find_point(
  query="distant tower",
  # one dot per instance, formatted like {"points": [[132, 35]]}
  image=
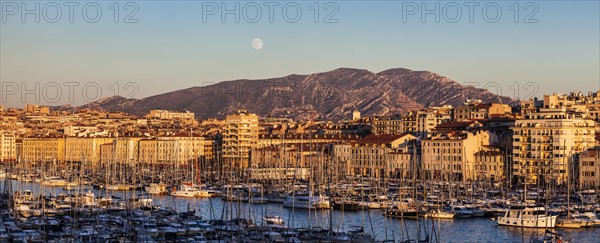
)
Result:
{"points": [[356, 115]]}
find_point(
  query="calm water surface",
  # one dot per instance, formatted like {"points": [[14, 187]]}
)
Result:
{"points": [[454, 230]]}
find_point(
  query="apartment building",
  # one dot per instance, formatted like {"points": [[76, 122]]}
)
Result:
{"points": [[175, 149], [490, 164], [288, 161], [121, 150], [37, 109], [409, 122], [240, 136], [392, 125], [8, 147], [43, 149], [452, 156], [427, 120], [169, 115], [377, 156], [476, 109], [85, 149], [546, 142], [589, 170]]}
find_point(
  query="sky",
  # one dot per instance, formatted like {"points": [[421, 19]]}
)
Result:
{"points": [[56, 53]]}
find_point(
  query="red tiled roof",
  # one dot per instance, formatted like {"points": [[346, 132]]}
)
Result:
{"points": [[482, 106], [590, 153]]}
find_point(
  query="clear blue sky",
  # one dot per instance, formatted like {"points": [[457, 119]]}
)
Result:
{"points": [[176, 45]]}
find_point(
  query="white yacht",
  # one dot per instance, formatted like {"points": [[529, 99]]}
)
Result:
{"points": [[306, 202], [531, 217], [189, 190]]}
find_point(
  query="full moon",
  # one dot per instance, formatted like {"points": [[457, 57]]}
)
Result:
{"points": [[257, 44]]}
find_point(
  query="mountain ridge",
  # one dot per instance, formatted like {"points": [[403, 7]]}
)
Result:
{"points": [[329, 95]]}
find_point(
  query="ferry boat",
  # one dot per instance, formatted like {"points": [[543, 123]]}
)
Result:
{"points": [[531, 217]]}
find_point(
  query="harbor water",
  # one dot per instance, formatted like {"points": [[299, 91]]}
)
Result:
{"points": [[372, 220]]}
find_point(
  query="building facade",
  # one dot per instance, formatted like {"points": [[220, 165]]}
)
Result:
{"points": [[85, 149], [378, 156], [589, 170], [43, 149], [546, 142], [240, 136], [452, 156], [8, 147]]}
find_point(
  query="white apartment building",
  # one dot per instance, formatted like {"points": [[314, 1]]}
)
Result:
{"points": [[546, 144], [240, 136]]}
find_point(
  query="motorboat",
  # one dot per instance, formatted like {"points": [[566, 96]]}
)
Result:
{"points": [[531, 217], [461, 211], [306, 202], [439, 214]]}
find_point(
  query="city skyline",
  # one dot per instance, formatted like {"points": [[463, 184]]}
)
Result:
{"points": [[234, 121]]}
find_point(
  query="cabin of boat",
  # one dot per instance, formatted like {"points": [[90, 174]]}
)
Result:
{"points": [[306, 202], [531, 217], [461, 211]]}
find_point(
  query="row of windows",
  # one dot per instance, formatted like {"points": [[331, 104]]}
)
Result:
{"points": [[443, 144], [485, 167], [588, 173], [445, 150], [445, 167], [587, 163]]}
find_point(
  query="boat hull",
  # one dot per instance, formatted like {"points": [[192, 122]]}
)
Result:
{"points": [[541, 222]]}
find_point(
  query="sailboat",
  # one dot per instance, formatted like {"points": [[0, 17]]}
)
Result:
{"points": [[570, 221]]}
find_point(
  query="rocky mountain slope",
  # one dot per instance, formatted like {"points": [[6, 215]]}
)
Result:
{"points": [[328, 95]]}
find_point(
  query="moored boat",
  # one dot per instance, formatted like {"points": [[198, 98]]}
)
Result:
{"points": [[530, 217], [157, 189], [439, 214]]}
